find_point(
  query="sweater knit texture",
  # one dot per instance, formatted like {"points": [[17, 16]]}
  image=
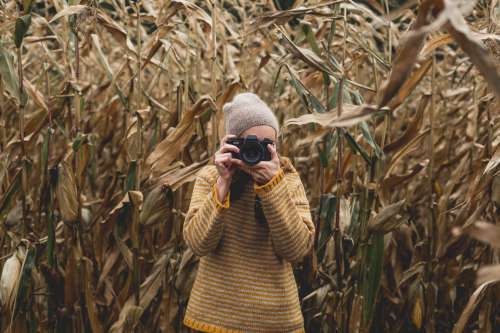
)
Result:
{"points": [[245, 280]]}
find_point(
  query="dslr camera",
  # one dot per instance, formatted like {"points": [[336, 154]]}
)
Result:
{"points": [[252, 150]]}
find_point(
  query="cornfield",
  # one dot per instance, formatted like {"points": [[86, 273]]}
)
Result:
{"points": [[391, 114]]}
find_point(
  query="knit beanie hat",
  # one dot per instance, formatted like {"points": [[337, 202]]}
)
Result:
{"points": [[247, 110]]}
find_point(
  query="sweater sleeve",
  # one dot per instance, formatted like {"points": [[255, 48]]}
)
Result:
{"points": [[203, 226], [286, 208]]}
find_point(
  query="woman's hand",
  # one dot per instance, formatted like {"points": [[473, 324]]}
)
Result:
{"points": [[264, 171], [226, 166], [225, 163]]}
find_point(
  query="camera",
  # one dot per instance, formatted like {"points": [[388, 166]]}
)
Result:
{"points": [[252, 150]]}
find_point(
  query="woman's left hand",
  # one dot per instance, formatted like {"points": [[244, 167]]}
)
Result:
{"points": [[264, 171]]}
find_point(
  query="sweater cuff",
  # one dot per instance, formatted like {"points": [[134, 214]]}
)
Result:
{"points": [[218, 204], [277, 178]]}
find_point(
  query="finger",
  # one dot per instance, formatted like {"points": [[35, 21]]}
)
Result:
{"points": [[228, 160], [246, 169], [223, 160], [254, 168], [225, 155], [274, 153], [237, 162], [227, 147], [262, 165], [259, 173], [259, 178], [226, 137]]}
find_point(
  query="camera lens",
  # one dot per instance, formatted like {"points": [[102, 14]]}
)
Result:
{"points": [[251, 153]]}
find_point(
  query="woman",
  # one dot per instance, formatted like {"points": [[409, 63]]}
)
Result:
{"points": [[248, 225]]}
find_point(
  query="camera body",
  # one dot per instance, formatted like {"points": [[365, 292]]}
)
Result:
{"points": [[252, 150]]}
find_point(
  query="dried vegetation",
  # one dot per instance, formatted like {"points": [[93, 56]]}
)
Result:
{"points": [[391, 114]]}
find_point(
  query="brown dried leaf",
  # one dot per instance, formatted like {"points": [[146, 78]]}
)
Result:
{"points": [[308, 56], [148, 290], [71, 277], [177, 178], [390, 182], [109, 262], [409, 85], [479, 55], [90, 300], [488, 274], [389, 218], [493, 163], [471, 306], [351, 115], [355, 318], [156, 206], [406, 57], [70, 10], [435, 43], [413, 128], [485, 232], [404, 151], [66, 193], [168, 150], [226, 96], [283, 16], [495, 190], [36, 95], [193, 9], [112, 26]]}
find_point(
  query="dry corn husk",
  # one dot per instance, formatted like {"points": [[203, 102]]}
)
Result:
{"points": [[10, 278]]}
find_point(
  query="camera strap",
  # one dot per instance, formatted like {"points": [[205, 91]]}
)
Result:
{"points": [[259, 212]]}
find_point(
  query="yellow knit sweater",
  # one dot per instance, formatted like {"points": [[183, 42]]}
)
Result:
{"points": [[245, 281]]}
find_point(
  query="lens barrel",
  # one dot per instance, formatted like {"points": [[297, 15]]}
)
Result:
{"points": [[251, 152]]}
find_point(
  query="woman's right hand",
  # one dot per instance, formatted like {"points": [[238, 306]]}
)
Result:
{"points": [[226, 165]]}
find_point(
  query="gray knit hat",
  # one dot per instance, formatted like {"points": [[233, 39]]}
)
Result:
{"points": [[247, 110]]}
